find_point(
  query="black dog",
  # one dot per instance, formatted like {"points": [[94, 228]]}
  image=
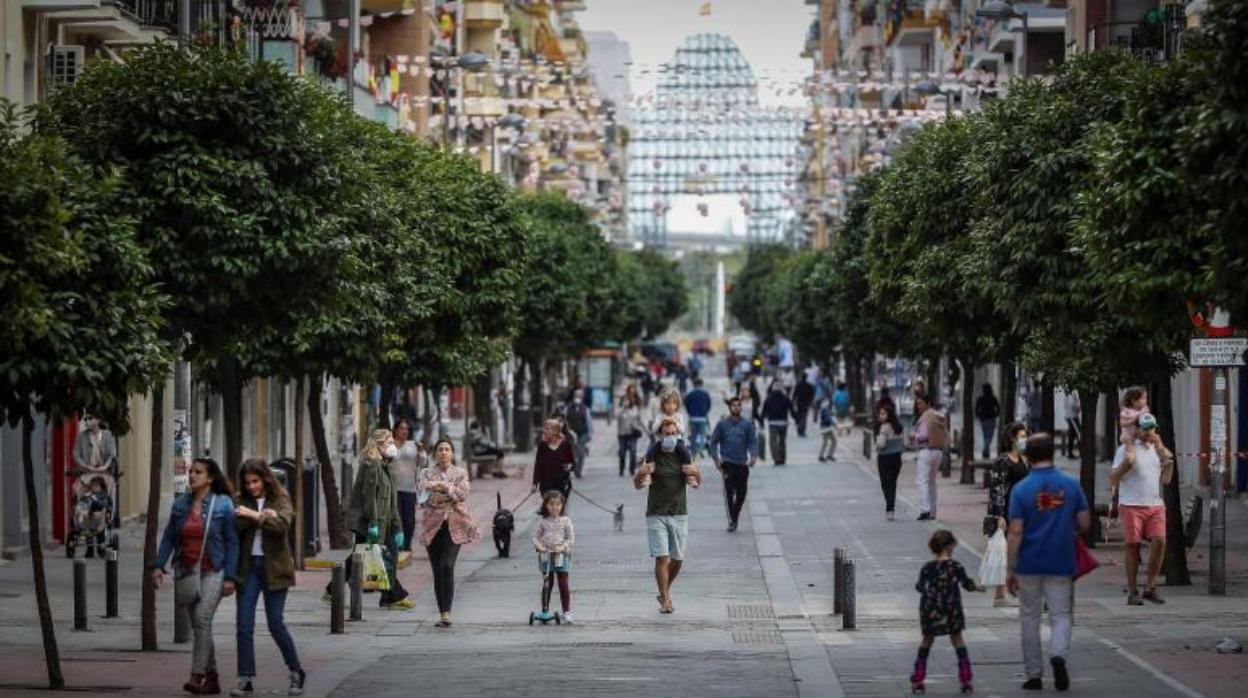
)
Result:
{"points": [[504, 524]]}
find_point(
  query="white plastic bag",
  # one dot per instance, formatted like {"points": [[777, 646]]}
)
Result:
{"points": [[376, 578], [992, 570]]}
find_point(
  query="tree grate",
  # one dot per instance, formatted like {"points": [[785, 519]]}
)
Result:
{"points": [[750, 612], [757, 637]]}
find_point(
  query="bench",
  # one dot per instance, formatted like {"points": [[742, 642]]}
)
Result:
{"points": [[484, 462]]}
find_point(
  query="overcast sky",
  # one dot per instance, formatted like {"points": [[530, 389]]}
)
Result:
{"points": [[770, 33]]}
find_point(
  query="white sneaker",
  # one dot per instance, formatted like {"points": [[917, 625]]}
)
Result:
{"points": [[244, 687], [567, 618]]}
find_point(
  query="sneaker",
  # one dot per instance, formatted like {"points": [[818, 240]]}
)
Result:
{"points": [[297, 678], [244, 687], [405, 605], [889, 515], [732, 527], [1152, 595], [925, 516], [567, 617], [1035, 684], [1133, 599], [1061, 679], [1002, 602]]}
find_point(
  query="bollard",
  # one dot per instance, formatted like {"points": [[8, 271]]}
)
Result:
{"points": [[849, 618], [838, 560], [335, 606], [110, 585], [946, 462], [357, 586], [968, 472], [80, 594], [866, 444]]}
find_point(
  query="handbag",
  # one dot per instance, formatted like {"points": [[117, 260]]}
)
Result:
{"points": [[1084, 561], [375, 575], [990, 525], [186, 589], [993, 567]]}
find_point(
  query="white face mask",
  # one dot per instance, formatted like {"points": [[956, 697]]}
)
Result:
{"points": [[391, 452]]}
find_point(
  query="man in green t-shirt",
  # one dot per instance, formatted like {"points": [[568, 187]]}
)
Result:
{"points": [[667, 469]]}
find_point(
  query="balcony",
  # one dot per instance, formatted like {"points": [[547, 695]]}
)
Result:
{"points": [[812, 40]]}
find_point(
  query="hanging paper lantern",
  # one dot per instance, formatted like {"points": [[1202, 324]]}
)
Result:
{"points": [[658, 164], [745, 167], [704, 209], [702, 167]]}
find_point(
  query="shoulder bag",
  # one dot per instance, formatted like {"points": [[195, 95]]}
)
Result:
{"points": [[186, 589]]}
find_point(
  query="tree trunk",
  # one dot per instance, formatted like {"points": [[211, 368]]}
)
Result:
{"points": [[232, 408], [1047, 409], [296, 490], [968, 411], [147, 610], [52, 655], [522, 417], [933, 380], [1109, 443], [1009, 393], [335, 522], [1087, 463], [1175, 566]]}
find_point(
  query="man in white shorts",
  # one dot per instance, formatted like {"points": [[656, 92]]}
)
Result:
{"points": [[667, 470]]}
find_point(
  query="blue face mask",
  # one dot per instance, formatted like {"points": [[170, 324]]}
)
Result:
{"points": [[1021, 445], [669, 443]]}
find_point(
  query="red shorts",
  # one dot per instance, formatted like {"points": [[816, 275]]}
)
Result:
{"points": [[1142, 522]]}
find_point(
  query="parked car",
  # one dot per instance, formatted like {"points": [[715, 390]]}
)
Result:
{"points": [[667, 352], [703, 346]]}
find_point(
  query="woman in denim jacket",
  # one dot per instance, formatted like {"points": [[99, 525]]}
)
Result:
{"points": [[207, 507]]}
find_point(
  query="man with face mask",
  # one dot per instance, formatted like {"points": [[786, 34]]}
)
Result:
{"points": [[734, 448], [581, 421], [667, 470]]}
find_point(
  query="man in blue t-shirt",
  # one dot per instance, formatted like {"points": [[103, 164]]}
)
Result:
{"points": [[698, 405], [1047, 511]]}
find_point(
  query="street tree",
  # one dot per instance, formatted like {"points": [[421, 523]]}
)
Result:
{"points": [[666, 289], [920, 218], [79, 315], [231, 190], [1035, 160], [747, 300]]}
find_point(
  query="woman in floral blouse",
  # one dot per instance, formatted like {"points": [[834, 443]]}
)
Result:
{"points": [[445, 522]]}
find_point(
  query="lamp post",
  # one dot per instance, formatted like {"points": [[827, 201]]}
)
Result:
{"points": [[473, 62], [1001, 10]]}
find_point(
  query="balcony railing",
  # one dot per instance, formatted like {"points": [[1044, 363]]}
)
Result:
{"points": [[150, 13]]}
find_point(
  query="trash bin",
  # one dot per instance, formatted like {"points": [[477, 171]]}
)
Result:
{"points": [[283, 469]]}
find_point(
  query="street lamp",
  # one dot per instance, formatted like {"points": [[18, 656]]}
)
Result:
{"points": [[473, 62], [929, 88], [1001, 10]]}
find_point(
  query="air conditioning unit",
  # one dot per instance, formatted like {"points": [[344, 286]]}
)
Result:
{"points": [[67, 62]]}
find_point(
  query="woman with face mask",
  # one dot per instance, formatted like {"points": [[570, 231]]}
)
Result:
{"points": [[1010, 467], [374, 513]]}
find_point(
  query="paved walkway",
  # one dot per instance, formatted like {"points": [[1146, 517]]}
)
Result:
{"points": [[753, 609]]}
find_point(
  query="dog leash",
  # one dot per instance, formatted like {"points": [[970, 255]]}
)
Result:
{"points": [[578, 493], [522, 501]]}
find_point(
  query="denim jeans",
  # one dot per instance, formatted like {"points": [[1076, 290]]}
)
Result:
{"points": [[407, 515], [699, 435], [628, 453], [988, 427], [274, 606], [203, 651]]}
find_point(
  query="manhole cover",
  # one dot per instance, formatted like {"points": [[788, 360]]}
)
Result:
{"points": [[750, 612], [757, 637]]}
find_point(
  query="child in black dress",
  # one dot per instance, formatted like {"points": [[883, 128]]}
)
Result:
{"points": [[940, 608]]}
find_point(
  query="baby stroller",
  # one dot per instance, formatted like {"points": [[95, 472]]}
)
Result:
{"points": [[552, 564], [93, 517]]}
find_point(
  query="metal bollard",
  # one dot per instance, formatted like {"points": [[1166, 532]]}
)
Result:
{"points": [[838, 561], [849, 616], [866, 444], [335, 606], [357, 586], [110, 585], [80, 594]]}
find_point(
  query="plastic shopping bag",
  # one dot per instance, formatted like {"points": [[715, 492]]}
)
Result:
{"points": [[992, 570], [376, 578]]}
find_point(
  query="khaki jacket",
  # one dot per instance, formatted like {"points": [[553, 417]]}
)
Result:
{"points": [[279, 564], [374, 500]]}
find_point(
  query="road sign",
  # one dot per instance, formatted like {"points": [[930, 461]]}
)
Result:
{"points": [[1213, 352]]}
